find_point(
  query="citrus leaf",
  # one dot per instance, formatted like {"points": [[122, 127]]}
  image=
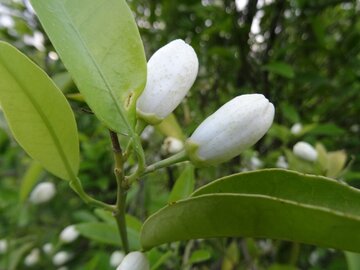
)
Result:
{"points": [[274, 203], [38, 114], [108, 66]]}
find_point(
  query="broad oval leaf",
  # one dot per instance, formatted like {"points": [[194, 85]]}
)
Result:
{"points": [[38, 114], [100, 45], [271, 203]]}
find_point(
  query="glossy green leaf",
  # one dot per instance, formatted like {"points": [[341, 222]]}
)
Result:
{"points": [[29, 180], [108, 66], [200, 255], [274, 203], [38, 114]]}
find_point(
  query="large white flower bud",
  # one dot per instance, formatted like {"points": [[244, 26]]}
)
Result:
{"points": [[42, 193], [69, 234], [237, 125], [171, 72], [305, 151], [134, 261]]}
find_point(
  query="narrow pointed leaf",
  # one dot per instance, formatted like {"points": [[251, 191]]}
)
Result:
{"points": [[100, 45], [275, 204], [38, 114]]}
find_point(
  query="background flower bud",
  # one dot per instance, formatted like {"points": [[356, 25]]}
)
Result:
{"points": [[282, 163], [69, 234], [32, 258], [134, 261], [61, 258], [172, 145], [296, 129], [235, 126], [47, 248], [305, 151], [172, 71], [116, 258], [42, 193], [3, 246]]}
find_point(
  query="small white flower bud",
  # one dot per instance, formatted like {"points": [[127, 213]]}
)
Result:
{"points": [[3, 246], [69, 234], [61, 258], [305, 151], [255, 163], [171, 72], [116, 258], [172, 145], [42, 193], [235, 126], [146, 134], [296, 129], [32, 258], [281, 163], [134, 261], [47, 248]]}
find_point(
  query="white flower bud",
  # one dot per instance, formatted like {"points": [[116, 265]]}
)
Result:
{"points": [[296, 129], [134, 261], [47, 248], [32, 258], [235, 126], [171, 72], [42, 193], [172, 145], [305, 151], [69, 234], [255, 163], [61, 258], [116, 258], [281, 163], [147, 133], [3, 246]]}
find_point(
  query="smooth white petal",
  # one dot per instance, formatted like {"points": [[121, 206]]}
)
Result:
{"points": [[305, 151], [172, 71], [134, 261]]}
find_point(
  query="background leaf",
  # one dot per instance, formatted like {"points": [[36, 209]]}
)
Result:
{"points": [[275, 203], [184, 185], [29, 180], [108, 66], [38, 114]]}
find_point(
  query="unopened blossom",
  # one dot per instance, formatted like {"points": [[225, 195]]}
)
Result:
{"points": [[255, 163], [296, 129], [42, 193], [69, 234], [305, 151], [172, 145], [234, 127], [171, 72], [61, 258], [134, 261], [47, 248], [3, 246], [32, 258], [116, 258], [282, 163]]}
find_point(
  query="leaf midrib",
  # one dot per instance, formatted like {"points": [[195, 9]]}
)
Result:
{"points": [[43, 117]]}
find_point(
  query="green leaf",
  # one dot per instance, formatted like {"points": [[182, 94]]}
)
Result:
{"points": [[272, 203], [280, 68], [100, 45], [353, 260], [38, 114], [29, 180], [107, 234], [200, 255], [184, 185]]}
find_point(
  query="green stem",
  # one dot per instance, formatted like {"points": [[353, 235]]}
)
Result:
{"points": [[76, 185], [122, 187], [179, 157]]}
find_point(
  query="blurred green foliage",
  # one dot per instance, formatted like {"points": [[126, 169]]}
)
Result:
{"points": [[303, 55]]}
